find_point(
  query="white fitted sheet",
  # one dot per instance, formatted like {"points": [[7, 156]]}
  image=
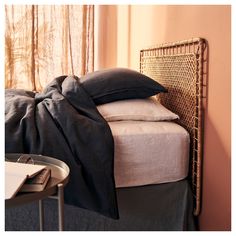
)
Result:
{"points": [[149, 152]]}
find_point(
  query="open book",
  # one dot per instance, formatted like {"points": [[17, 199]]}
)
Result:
{"points": [[16, 175]]}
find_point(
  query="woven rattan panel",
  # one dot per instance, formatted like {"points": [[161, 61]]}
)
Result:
{"points": [[181, 73], [173, 72]]}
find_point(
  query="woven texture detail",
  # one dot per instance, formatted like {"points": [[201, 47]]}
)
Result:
{"points": [[178, 67], [173, 73]]}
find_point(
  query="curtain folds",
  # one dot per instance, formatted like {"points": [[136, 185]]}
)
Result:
{"points": [[45, 41]]}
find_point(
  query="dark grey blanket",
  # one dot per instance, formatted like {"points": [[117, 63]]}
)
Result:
{"points": [[63, 122]]}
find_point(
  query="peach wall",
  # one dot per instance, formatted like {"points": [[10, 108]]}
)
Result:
{"points": [[145, 26], [105, 36]]}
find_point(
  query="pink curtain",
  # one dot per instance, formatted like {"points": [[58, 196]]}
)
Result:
{"points": [[45, 41]]}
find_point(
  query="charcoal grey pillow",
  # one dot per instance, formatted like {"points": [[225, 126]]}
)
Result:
{"points": [[118, 84]]}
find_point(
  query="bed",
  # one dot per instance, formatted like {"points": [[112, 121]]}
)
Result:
{"points": [[168, 200]]}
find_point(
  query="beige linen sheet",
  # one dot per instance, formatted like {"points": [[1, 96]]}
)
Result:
{"points": [[149, 152]]}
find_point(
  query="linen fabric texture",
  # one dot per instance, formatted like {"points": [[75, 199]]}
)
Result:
{"points": [[114, 84], [136, 109]]}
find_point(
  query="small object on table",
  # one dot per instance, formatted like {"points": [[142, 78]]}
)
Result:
{"points": [[38, 182]]}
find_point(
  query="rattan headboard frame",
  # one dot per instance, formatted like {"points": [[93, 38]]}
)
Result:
{"points": [[179, 67]]}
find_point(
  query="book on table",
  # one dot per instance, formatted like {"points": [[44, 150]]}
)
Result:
{"points": [[18, 177], [37, 182]]}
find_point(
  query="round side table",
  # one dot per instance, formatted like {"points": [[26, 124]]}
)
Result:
{"points": [[54, 188]]}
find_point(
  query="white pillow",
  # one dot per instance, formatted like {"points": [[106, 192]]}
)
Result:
{"points": [[136, 109]]}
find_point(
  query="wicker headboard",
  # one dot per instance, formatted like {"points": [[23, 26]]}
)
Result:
{"points": [[179, 67]]}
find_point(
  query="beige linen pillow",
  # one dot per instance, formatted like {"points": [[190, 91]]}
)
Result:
{"points": [[136, 109]]}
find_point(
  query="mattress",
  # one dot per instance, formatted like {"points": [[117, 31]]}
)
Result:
{"points": [[149, 152]]}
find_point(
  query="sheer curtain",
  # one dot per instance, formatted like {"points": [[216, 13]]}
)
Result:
{"points": [[45, 41]]}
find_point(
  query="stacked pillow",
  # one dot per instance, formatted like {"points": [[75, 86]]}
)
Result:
{"points": [[110, 85], [124, 94], [147, 109]]}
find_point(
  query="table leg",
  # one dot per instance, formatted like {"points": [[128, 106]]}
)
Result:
{"points": [[41, 215], [61, 207]]}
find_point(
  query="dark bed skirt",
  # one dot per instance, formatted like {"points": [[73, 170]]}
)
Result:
{"points": [[163, 207]]}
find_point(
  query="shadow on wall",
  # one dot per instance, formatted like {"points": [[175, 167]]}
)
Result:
{"points": [[216, 192], [184, 23]]}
